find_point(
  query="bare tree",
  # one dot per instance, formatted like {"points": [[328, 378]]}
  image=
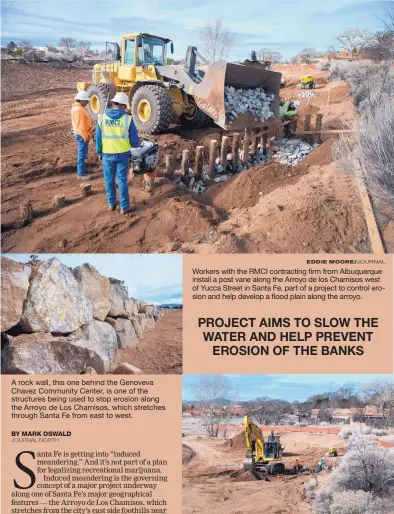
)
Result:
{"points": [[210, 392], [308, 54], [267, 410], [381, 394], [354, 40], [52, 49], [265, 54], [83, 48], [25, 45], [217, 41], [68, 44]]}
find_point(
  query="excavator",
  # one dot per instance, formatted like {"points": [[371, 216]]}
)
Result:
{"points": [[160, 92], [262, 456]]}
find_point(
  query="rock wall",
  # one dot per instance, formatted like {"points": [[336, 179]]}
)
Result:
{"points": [[57, 320]]}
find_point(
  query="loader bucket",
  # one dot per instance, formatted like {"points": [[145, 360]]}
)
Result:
{"points": [[209, 93]]}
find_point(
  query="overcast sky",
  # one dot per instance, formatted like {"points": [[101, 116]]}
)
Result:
{"points": [[154, 278], [284, 25], [285, 387]]}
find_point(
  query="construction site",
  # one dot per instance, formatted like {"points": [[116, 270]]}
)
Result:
{"points": [[213, 476], [238, 465], [228, 183]]}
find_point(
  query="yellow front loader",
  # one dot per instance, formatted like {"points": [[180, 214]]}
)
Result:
{"points": [[262, 456], [307, 82], [161, 93]]}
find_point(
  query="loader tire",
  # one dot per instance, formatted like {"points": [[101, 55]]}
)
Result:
{"points": [[98, 100], [197, 120], [151, 109]]}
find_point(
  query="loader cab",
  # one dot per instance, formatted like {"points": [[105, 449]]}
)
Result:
{"points": [[140, 53]]}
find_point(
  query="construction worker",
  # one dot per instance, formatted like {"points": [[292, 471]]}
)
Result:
{"points": [[116, 134], [82, 130], [287, 109], [295, 466], [320, 465]]}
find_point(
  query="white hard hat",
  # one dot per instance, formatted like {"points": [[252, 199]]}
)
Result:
{"points": [[121, 98], [82, 95]]}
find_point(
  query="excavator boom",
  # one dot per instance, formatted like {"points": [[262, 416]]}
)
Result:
{"points": [[260, 455]]}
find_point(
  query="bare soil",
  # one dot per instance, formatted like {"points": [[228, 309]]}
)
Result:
{"points": [[214, 479], [159, 350], [271, 208]]}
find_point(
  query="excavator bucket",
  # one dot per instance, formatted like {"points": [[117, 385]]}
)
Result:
{"points": [[209, 93]]}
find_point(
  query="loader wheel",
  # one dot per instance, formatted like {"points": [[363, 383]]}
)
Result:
{"points": [[197, 119], [151, 109], [312, 85], [98, 100]]}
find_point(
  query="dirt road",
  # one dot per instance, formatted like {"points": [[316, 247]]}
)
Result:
{"points": [[208, 483], [159, 351], [309, 208]]}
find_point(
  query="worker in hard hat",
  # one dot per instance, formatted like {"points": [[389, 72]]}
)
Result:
{"points": [[287, 109], [295, 466], [320, 465], [82, 130], [116, 134]]}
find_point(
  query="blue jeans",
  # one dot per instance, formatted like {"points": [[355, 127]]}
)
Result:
{"points": [[116, 165], [82, 155]]}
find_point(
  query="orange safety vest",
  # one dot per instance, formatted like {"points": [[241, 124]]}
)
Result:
{"points": [[80, 121]]}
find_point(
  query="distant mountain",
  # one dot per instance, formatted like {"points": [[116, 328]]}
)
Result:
{"points": [[171, 305], [218, 401]]}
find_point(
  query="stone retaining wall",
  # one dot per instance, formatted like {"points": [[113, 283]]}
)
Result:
{"points": [[60, 320]]}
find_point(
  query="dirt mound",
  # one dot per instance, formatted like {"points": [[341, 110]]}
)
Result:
{"points": [[321, 156], [253, 183], [313, 215], [187, 454], [237, 442]]}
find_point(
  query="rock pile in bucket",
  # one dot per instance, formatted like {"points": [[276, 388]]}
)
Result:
{"points": [[255, 101]]}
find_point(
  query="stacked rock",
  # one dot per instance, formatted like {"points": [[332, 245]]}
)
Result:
{"points": [[56, 320], [255, 101]]}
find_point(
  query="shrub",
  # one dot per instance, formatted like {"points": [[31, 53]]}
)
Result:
{"points": [[310, 489], [366, 466], [370, 151], [324, 65], [345, 433], [357, 502], [323, 502], [376, 149]]}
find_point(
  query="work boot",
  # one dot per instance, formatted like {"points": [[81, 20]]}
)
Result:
{"points": [[149, 185], [112, 207], [131, 209]]}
